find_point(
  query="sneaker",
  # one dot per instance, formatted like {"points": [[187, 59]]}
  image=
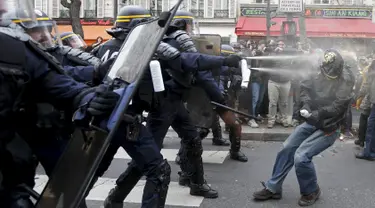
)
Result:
{"points": [[253, 124], [265, 194], [270, 125], [310, 199]]}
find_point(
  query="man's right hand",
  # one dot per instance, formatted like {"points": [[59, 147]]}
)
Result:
{"points": [[103, 102], [232, 61]]}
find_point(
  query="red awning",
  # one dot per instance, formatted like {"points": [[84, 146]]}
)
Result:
{"points": [[344, 28]]}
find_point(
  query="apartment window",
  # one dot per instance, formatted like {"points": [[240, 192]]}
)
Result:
{"points": [[348, 2], [90, 8], [221, 4], [321, 1]]}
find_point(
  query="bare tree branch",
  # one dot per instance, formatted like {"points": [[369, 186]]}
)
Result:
{"points": [[65, 3]]}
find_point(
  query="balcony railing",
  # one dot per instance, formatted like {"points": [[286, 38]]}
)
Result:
{"points": [[221, 13], [197, 13], [90, 14], [64, 14]]}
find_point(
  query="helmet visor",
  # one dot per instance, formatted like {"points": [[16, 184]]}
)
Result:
{"points": [[44, 34], [74, 41], [20, 11]]}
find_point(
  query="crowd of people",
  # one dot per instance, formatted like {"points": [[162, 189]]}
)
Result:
{"points": [[43, 83]]}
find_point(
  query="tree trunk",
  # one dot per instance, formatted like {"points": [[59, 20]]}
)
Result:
{"points": [[74, 11]]}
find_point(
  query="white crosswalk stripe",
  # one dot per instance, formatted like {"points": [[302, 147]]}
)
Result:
{"points": [[215, 157], [177, 195]]}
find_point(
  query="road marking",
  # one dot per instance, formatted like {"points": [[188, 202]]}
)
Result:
{"points": [[214, 157], [177, 195]]}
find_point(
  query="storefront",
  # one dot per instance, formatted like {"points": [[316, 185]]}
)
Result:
{"points": [[93, 28], [326, 27]]}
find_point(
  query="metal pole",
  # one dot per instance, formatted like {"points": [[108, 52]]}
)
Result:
{"points": [[289, 17], [115, 8], [302, 28], [268, 22]]}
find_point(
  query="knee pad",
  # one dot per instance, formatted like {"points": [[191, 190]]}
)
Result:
{"points": [[163, 173], [130, 175], [236, 125], [194, 147]]}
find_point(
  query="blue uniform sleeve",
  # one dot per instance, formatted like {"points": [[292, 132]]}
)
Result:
{"points": [[49, 84], [192, 62], [206, 81], [80, 73]]}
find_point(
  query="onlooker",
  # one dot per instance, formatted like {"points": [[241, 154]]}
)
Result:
{"points": [[278, 90], [256, 82]]}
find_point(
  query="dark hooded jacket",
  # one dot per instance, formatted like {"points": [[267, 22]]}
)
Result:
{"points": [[327, 100]]}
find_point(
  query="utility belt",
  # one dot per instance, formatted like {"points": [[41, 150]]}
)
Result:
{"points": [[133, 126]]}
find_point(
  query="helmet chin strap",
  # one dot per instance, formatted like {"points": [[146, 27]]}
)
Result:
{"points": [[327, 75]]}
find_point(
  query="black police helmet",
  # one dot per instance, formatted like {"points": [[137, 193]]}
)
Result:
{"points": [[130, 16], [182, 19], [227, 50]]}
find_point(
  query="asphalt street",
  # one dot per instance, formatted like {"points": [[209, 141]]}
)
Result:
{"points": [[346, 182]]}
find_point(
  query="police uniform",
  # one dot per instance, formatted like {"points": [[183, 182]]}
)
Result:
{"points": [[64, 89]]}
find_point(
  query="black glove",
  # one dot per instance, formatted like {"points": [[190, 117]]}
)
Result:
{"points": [[232, 61], [104, 101], [101, 70]]}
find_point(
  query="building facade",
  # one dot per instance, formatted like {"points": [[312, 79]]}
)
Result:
{"points": [[214, 16]]}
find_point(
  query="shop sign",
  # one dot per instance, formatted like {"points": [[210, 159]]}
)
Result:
{"points": [[99, 22], [364, 13], [290, 6], [340, 13], [248, 11]]}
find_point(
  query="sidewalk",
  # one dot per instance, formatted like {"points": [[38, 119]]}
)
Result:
{"points": [[277, 133]]}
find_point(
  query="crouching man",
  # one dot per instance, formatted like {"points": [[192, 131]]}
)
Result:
{"points": [[325, 98]]}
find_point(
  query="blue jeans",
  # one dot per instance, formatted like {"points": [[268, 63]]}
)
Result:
{"points": [[370, 137], [255, 88], [301, 146]]}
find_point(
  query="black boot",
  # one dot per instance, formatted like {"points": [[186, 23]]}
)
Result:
{"points": [[218, 139], [184, 179], [124, 184], [156, 187], [203, 190], [192, 172], [235, 152]]}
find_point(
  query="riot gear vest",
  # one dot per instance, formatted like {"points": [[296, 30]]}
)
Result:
{"points": [[181, 77], [109, 49], [12, 79], [75, 57]]}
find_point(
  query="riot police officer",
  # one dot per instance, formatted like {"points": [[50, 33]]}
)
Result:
{"points": [[28, 75], [205, 80], [127, 18], [66, 54], [163, 114], [73, 40], [47, 76]]}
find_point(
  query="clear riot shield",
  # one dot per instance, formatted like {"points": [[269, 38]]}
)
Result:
{"points": [[208, 44], [76, 168], [198, 103]]}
